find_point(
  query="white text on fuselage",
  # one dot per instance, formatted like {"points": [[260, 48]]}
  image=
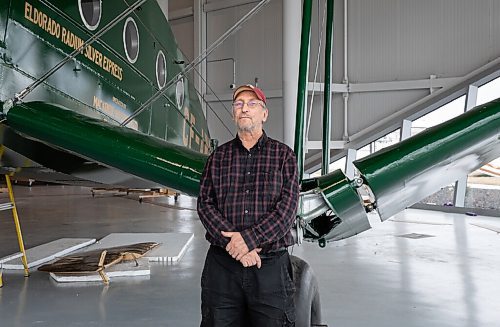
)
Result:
{"points": [[110, 110], [38, 17]]}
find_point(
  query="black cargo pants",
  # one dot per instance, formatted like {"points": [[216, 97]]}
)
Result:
{"points": [[233, 296]]}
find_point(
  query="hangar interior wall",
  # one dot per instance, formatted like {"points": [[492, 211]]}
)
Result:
{"points": [[398, 53]]}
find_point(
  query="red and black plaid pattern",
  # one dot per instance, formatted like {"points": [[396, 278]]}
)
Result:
{"points": [[252, 192]]}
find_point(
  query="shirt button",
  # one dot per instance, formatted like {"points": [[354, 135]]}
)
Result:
{"points": [[246, 211], [247, 191], [249, 155], [248, 173]]}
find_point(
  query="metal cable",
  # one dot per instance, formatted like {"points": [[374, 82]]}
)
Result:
{"points": [[198, 60], [309, 113], [211, 90], [19, 96]]}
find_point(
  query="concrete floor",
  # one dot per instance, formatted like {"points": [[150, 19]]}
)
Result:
{"points": [[377, 278]]}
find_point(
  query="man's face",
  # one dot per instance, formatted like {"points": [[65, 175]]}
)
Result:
{"points": [[251, 116]]}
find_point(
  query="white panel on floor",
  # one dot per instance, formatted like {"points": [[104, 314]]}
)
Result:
{"points": [[11, 257], [123, 269], [172, 245], [48, 251]]}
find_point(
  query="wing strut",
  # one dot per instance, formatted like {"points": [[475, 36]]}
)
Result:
{"points": [[302, 87]]}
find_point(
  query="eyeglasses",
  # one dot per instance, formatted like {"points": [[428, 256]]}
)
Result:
{"points": [[252, 104]]}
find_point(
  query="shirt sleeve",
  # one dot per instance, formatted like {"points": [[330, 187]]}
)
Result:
{"points": [[208, 209], [278, 223]]}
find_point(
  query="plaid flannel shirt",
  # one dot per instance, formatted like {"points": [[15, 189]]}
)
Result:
{"points": [[254, 192]]}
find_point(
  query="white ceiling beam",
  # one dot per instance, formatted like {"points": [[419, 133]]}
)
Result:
{"points": [[213, 6], [320, 87], [431, 83], [316, 145], [430, 102], [403, 85], [360, 87]]}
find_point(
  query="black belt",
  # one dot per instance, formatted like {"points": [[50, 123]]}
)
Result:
{"points": [[269, 254], [273, 253]]}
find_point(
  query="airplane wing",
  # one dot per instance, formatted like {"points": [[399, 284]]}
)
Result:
{"points": [[132, 152], [405, 173], [400, 175]]}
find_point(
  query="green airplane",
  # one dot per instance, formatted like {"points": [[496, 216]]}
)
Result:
{"points": [[96, 93], [121, 112], [105, 82]]}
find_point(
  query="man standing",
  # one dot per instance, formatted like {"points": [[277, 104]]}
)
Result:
{"points": [[248, 202]]}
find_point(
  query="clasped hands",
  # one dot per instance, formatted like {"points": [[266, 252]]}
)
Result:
{"points": [[238, 249]]}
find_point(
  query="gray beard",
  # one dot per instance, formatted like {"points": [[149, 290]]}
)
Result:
{"points": [[246, 128]]}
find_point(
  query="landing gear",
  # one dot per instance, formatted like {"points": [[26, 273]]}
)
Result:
{"points": [[307, 300]]}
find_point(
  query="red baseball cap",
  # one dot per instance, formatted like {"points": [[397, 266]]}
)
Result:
{"points": [[249, 87]]}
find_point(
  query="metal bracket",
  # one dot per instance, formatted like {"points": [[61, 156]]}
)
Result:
{"points": [[7, 105], [299, 230]]}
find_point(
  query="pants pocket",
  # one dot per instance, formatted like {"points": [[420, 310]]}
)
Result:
{"points": [[289, 319]]}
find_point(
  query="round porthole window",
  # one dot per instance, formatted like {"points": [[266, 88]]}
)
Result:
{"points": [[179, 93], [90, 12], [131, 40], [161, 69]]}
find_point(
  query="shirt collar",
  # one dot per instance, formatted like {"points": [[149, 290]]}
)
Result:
{"points": [[260, 143]]}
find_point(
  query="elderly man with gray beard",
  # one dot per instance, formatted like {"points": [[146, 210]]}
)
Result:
{"points": [[247, 204]]}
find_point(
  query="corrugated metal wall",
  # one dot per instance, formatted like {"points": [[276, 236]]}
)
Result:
{"points": [[388, 40], [392, 40]]}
